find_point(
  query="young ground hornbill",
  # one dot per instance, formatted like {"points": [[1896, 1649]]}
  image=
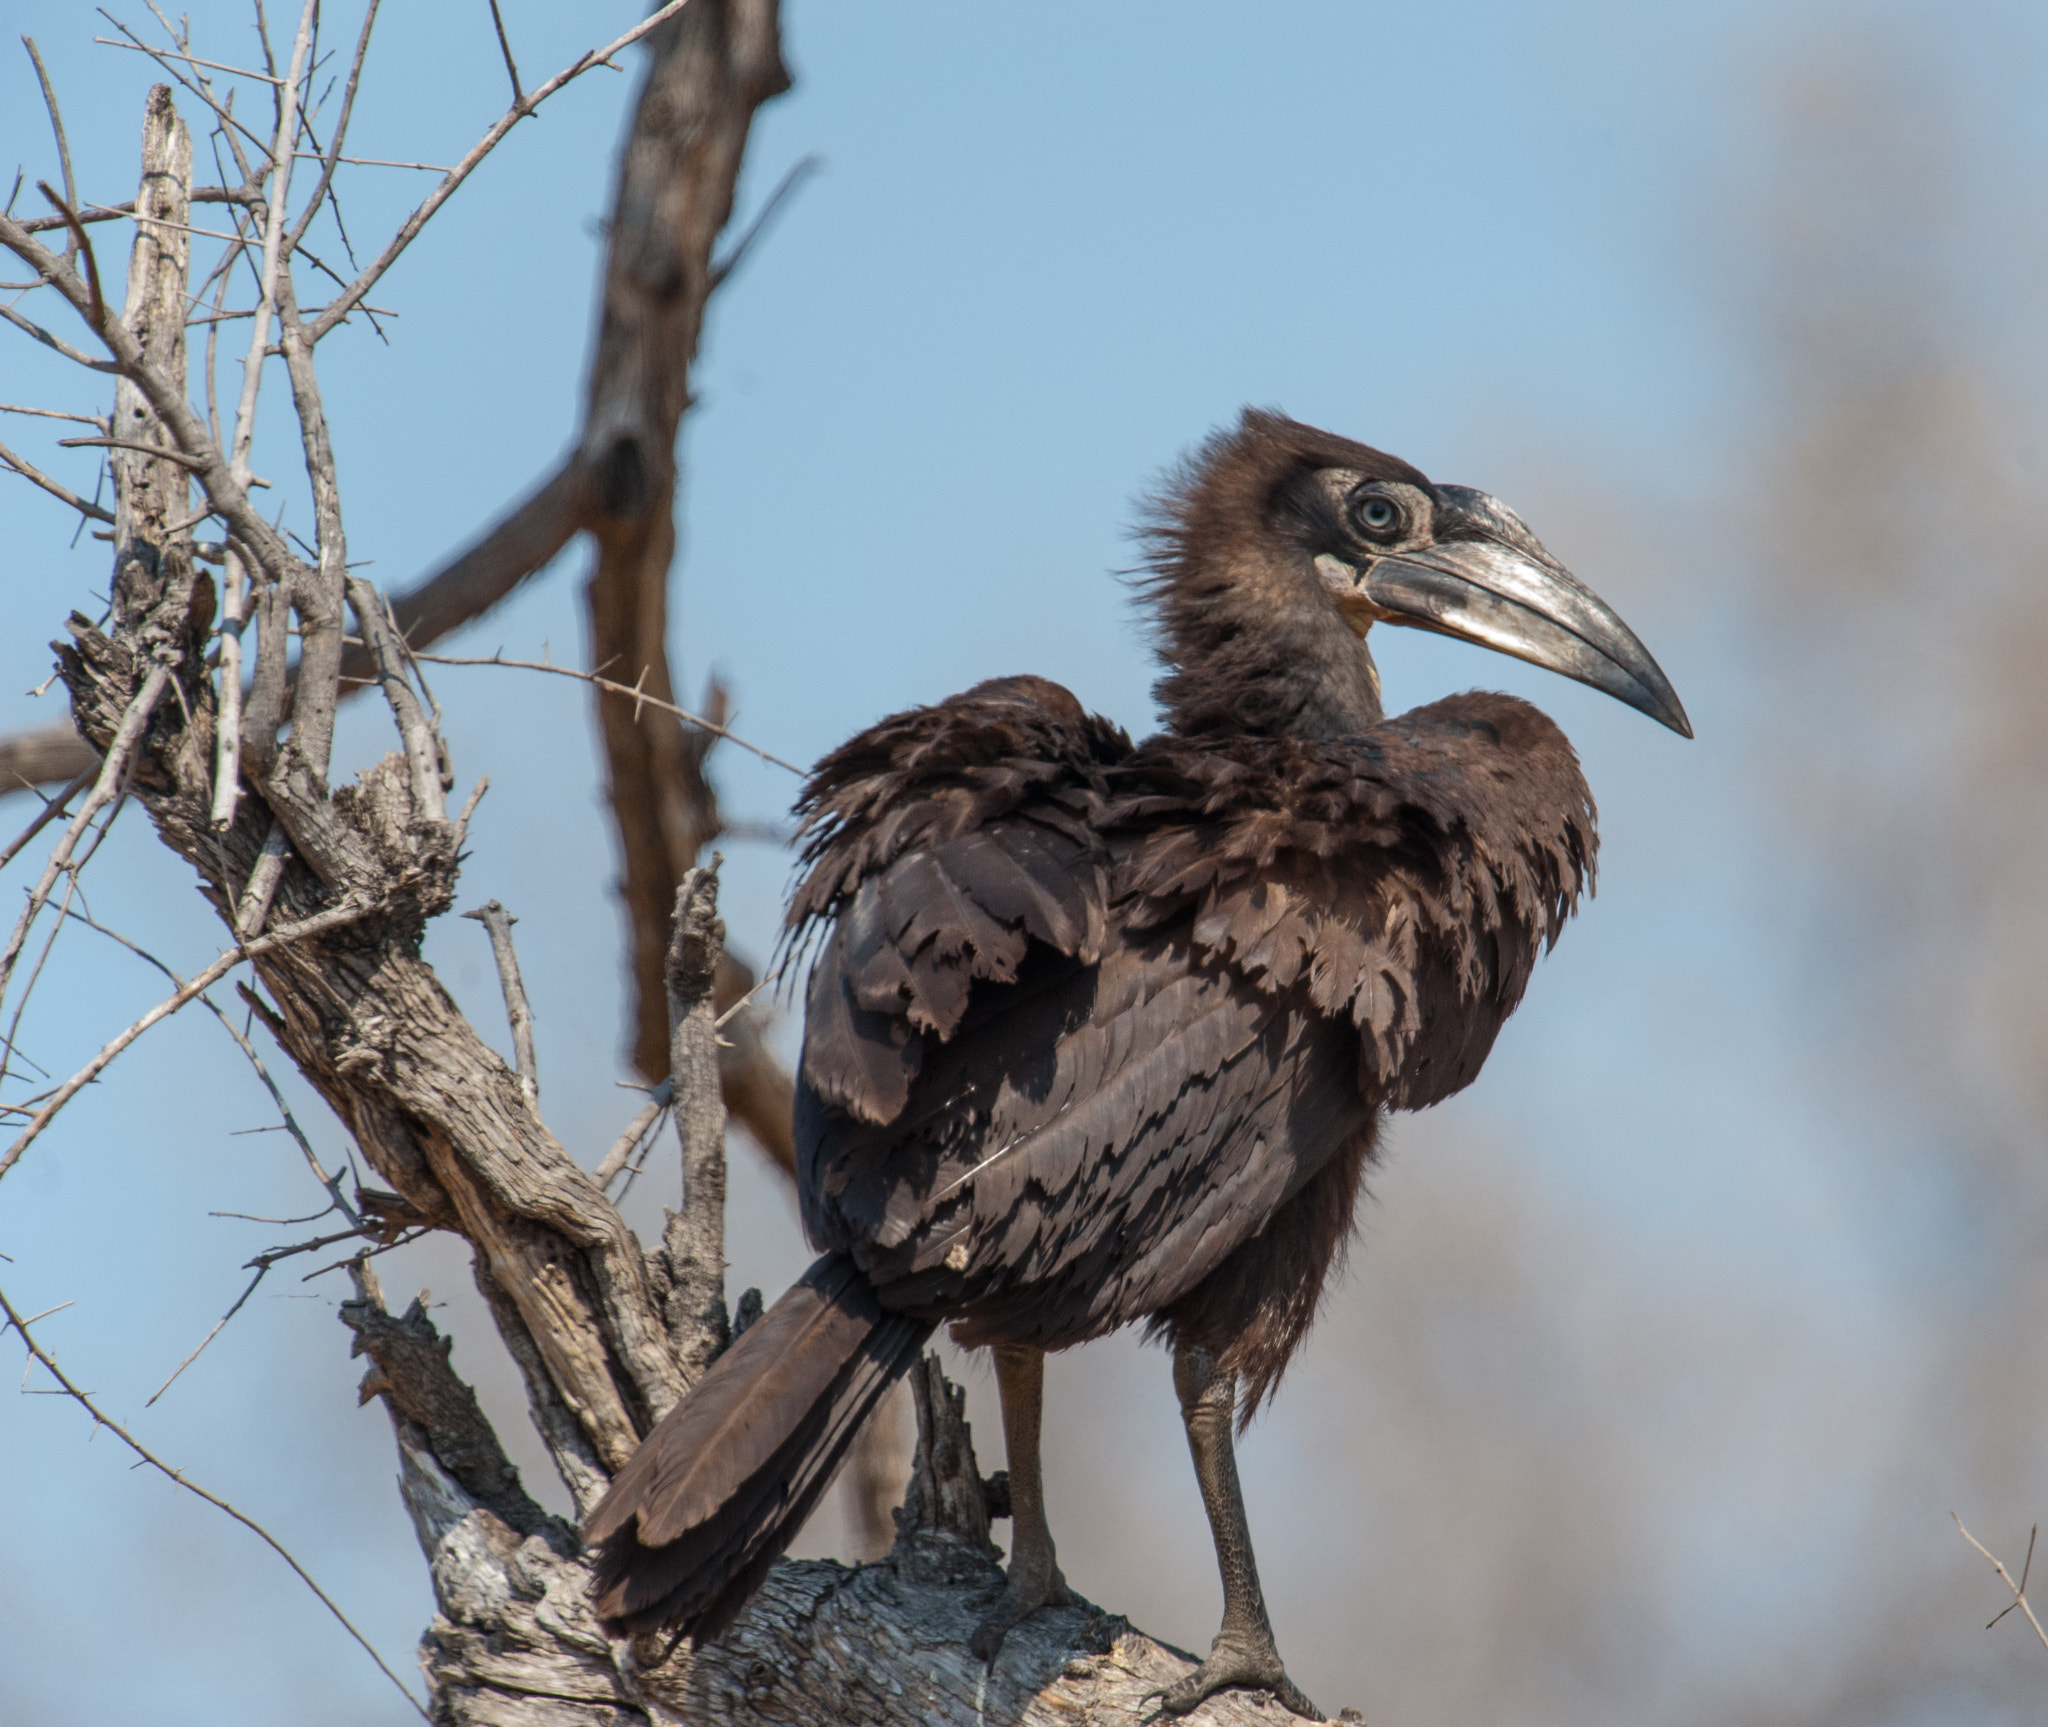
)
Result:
{"points": [[1100, 1033]]}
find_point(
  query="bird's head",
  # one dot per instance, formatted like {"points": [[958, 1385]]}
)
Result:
{"points": [[1277, 547]]}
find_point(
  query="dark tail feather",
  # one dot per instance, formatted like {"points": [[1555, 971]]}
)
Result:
{"points": [[724, 1482]]}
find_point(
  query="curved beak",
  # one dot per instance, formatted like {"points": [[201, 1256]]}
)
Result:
{"points": [[1488, 580]]}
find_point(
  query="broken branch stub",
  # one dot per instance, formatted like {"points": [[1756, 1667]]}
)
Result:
{"points": [[411, 1371], [693, 1244], [151, 493], [518, 1011], [947, 1497]]}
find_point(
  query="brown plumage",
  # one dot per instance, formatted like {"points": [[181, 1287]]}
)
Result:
{"points": [[1100, 1033]]}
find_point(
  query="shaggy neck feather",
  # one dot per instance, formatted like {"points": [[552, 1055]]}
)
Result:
{"points": [[1238, 664]]}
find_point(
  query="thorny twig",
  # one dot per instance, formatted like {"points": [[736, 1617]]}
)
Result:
{"points": [[505, 48], [11, 1047], [273, 244], [224, 491], [367, 279], [639, 1162], [258, 890], [84, 1399], [78, 233], [52, 809], [56, 488], [318, 924], [320, 602], [330, 1184], [356, 1263], [276, 262], [73, 878], [261, 1265], [348, 103], [772, 978], [200, 86], [229, 498], [113, 772], [120, 212], [639, 697], [189, 59], [797, 175], [99, 420], [56, 344], [637, 1130], [158, 451], [220, 1325]]}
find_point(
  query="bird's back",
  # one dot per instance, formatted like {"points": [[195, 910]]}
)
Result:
{"points": [[1100, 1033]]}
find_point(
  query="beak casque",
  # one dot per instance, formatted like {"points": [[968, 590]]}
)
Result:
{"points": [[1491, 582]]}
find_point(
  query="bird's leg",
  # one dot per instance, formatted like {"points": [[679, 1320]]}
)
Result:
{"points": [[1244, 1652], [1034, 1579]]}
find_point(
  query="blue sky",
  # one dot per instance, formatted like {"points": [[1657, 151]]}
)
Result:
{"points": [[1048, 249]]}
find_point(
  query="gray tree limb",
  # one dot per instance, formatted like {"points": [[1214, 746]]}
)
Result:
{"points": [[47, 756]]}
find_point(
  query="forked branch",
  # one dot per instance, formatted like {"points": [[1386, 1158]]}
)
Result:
{"points": [[2019, 1589]]}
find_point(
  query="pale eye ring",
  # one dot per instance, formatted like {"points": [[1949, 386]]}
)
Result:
{"points": [[1376, 515]]}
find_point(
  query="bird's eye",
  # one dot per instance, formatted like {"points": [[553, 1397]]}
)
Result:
{"points": [[1376, 515]]}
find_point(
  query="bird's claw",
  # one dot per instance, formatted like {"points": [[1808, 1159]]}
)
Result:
{"points": [[1021, 1597], [1231, 1663]]}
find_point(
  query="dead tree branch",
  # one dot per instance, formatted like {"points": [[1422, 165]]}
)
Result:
{"points": [[633, 693], [674, 196], [498, 921], [2019, 1589], [52, 809], [56, 126], [58, 490], [436, 1113], [413, 1376], [636, 1133], [693, 1245]]}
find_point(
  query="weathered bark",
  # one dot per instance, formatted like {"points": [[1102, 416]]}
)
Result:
{"points": [[693, 1244], [822, 1645], [413, 1376], [151, 495]]}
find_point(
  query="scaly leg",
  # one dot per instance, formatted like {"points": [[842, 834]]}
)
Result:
{"points": [[1244, 1652], [1035, 1579]]}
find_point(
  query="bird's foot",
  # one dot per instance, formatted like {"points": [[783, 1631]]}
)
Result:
{"points": [[1250, 1663], [1026, 1591]]}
